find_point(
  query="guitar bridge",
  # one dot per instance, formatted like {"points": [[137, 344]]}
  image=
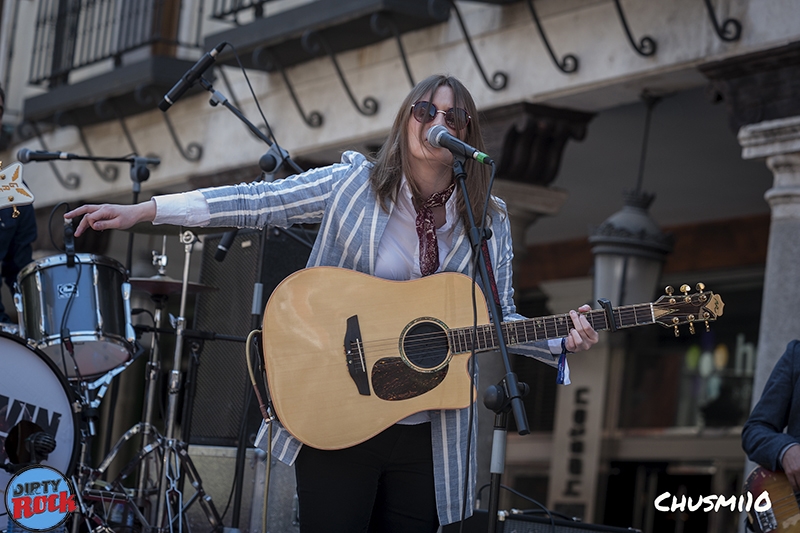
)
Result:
{"points": [[354, 356], [766, 520]]}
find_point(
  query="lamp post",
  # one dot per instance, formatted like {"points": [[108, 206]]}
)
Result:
{"points": [[629, 248]]}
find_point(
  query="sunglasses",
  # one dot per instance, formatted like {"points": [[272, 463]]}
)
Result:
{"points": [[456, 118]]}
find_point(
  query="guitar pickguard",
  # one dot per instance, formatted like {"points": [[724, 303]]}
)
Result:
{"points": [[393, 380]]}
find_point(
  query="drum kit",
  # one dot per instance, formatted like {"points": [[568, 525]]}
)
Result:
{"points": [[74, 336]]}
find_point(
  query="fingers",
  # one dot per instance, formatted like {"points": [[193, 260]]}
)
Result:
{"points": [[96, 217], [82, 210], [582, 336], [791, 466]]}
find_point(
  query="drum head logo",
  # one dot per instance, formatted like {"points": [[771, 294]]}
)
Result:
{"points": [[39, 498]]}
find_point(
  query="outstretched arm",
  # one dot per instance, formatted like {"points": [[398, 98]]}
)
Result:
{"points": [[111, 216]]}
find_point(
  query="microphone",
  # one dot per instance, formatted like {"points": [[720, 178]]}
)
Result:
{"points": [[439, 137], [224, 244], [40, 445], [69, 242], [190, 77], [26, 156]]}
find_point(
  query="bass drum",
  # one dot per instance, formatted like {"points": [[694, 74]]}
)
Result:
{"points": [[34, 391]]}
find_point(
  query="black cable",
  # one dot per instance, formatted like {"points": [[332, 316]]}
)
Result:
{"points": [[70, 300], [64, 317], [547, 511], [255, 99], [50, 225]]}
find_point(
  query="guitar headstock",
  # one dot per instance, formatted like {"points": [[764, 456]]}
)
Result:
{"points": [[13, 192], [672, 310]]}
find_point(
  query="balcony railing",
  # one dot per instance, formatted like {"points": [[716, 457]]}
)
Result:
{"points": [[230, 9], [71, 34]]}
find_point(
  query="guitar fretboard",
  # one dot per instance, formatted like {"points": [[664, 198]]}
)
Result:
{"points": [[546, 327]]}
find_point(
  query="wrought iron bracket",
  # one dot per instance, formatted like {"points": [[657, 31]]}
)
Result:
{"points": [[71, 181], [193, 151], [499, 78], [313, 42], [264, 58], [569, 64], [730, 30], [101, 107], [383, 25], [646, 46], [261, 127], [109, 173]]}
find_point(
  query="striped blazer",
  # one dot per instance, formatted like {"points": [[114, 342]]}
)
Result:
{"points": [[340, 198]]}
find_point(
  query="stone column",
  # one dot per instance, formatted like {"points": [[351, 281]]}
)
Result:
{"points": [[778, 142]]}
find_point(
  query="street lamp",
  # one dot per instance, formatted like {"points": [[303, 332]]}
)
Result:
{"points": [[629, 248]]}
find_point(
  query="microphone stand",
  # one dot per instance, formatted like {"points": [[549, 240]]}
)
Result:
{"points": [[509, 388], [277, 155], [270, 163], [139, 173]]}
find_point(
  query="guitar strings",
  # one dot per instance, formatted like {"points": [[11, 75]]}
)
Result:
{"points": [[390, 346]]}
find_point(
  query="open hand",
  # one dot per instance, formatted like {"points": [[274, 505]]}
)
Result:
{"points": [[111, 216]]}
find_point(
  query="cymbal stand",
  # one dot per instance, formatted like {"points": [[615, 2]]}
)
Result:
{"points": [[152, 371], [175, 454]]}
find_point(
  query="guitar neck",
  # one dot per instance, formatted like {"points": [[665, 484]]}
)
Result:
{"points": [[546, 327]]}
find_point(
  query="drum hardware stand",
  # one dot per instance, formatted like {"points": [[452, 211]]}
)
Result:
{"points": [[152, 371], [169, 450], [270, 162], [175, 453], [90, 395]]}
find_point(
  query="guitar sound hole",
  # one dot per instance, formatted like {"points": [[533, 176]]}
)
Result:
{"points": [[425, 345]]}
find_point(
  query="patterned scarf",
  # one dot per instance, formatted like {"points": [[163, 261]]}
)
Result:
{"points": [[426, 231]]}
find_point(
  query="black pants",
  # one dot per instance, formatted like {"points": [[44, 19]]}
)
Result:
{"points": [[382, 485]]}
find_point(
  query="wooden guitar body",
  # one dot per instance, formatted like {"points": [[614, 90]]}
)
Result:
{"points": [[305, 324]]}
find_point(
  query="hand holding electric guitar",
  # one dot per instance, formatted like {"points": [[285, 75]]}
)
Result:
{"points": [[784, 514]]}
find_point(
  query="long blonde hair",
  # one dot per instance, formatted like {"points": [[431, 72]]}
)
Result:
{"points": [[392, 160]]}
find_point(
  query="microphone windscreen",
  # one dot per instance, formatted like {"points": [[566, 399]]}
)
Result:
{"points": [[434, 133]]}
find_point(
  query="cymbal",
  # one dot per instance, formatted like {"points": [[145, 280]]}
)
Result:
{"points": [[147, 228], [164, 286]]}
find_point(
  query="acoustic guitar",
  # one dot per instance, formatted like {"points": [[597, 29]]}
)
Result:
{"points": [[348, 354]]}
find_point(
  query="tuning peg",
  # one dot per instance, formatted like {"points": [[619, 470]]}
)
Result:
{"points": [[691, 328], [670, 290], [701, 287], [685, 290], [706, 316], [675, 321]]}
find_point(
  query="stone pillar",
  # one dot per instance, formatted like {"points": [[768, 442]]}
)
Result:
{"points": [[778, 142]]}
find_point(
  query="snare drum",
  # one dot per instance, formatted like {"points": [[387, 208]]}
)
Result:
{"points": [[91, 299], [33, 389]]}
